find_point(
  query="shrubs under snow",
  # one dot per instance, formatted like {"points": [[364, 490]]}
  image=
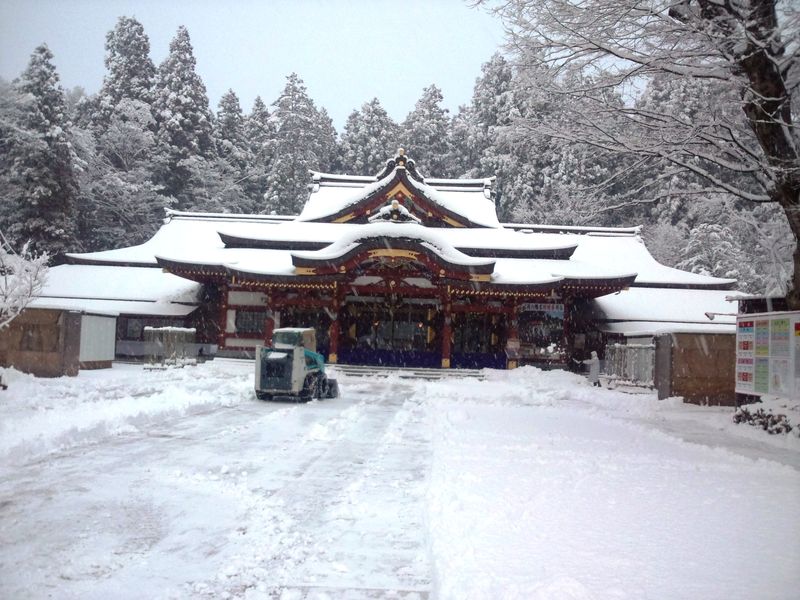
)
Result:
{"points": [[773, 416]]}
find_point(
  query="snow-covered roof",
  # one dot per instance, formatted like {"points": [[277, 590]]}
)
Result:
{"points": [[470, 198], [426, 236], [96, 307], [193, 237], [118, 290], [118, 283], [654, 328], [181, 231], [479, 240], [115, 307], [630, 251], [595, 254], [669, 305]]}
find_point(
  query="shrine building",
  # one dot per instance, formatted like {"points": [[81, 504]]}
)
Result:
{"points": [[394, 269]]}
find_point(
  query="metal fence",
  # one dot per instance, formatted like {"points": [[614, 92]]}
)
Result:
{"points": [[634, 363], [169, 345]]}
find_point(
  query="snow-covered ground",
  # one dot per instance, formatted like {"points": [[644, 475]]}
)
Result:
{"points": [[127, 483]]}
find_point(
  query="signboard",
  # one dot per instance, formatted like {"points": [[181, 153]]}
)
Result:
{"points": [[555, 310], [768, 354]]}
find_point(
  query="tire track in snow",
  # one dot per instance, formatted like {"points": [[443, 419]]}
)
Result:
{"points": [[349, 519]]}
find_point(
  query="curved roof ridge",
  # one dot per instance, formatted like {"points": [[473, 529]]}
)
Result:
{"points": [[317, 176], [410, 231]]}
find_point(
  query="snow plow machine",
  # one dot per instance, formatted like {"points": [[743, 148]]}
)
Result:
{"points": [[291, 369]]}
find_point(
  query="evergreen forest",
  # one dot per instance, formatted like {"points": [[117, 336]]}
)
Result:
{"points": [[85, 172]]}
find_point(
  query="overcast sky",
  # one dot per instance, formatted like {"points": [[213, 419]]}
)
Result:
{"points": [[347, 52]]}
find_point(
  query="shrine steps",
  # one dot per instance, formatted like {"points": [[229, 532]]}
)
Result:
{"points": [[405, 372]]}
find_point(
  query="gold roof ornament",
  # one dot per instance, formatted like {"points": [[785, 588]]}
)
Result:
{"points": [[401, 159]]}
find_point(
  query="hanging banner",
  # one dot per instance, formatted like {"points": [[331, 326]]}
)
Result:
{"points": [[768, 354]]}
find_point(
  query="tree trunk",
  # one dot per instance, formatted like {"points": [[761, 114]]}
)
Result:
{"points": [[768, 109], [790, 202]]}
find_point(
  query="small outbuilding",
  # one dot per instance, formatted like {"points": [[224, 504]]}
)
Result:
{"points": [[689, 351], [140, 297], [49, 341]]}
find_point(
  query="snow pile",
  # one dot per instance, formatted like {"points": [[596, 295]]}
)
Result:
{"points": [[43, 415]]}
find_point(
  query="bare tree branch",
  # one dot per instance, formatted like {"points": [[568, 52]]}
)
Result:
{"points": [[21, 279]]}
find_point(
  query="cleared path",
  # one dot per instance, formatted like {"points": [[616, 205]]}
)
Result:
{"points": [[258, 500]]}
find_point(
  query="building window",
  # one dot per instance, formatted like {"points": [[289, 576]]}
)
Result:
{"points": [[133, 329], [248, 321]]}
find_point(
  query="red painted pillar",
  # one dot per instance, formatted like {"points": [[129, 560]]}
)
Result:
{"points": [[223, 315], [269, 325], [333, 336], [334, 328], [512, 339], [447, 330]]}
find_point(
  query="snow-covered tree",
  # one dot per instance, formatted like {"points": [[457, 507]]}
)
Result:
{"points": [[567, 180], [766, 244], [184, 123], [131, 72], [666, 242], [425, 133], [22, 275], [118, 202], [72, 99], [712, 250], [326, 145], [496, 102], [260, 132], [39, 181], [260, 136], [464, 156], [518, 156], [369, 138], [302, 143], [230, 134], [750, 47]]}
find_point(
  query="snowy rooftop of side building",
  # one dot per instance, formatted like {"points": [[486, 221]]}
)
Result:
{"points": [[654, 328], [632, 310], [104, 289], [114, 308]]}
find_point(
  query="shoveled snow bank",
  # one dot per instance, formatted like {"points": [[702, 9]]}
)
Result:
{"points": [[43, 415]]}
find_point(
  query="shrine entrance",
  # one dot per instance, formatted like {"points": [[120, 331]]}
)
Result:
{"points": [[479, 341], [391, 332]]}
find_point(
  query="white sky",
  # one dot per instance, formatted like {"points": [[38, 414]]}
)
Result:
{"points": [[346, 51]]}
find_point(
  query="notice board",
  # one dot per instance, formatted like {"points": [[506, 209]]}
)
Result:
{"points": [[768, 354]]}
